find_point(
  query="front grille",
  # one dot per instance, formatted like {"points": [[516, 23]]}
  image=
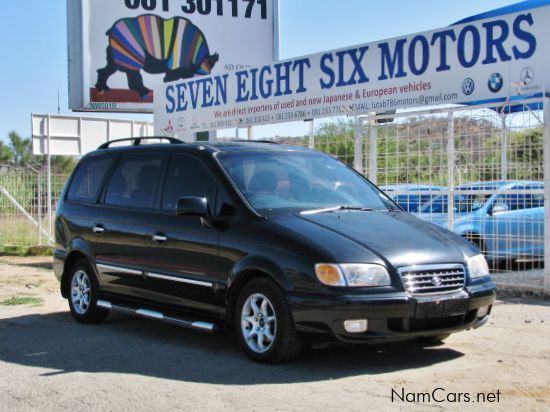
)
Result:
{"points": [[433, 279]]}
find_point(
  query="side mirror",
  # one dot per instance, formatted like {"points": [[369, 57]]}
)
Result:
{"points": [[500, 208], [192, 206]]}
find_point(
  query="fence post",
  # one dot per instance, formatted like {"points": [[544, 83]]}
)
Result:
{"points": [[358, 146], [547, 195], [312, 134], [451, 169], [373, 149], [503, 154], [49, 195], [39, 216]]}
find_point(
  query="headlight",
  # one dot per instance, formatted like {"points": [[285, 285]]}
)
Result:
{"points": [[478, 267], [352, 274]]}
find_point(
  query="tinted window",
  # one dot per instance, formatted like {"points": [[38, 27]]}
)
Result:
{"points": [[186, 176], [88, 178], [135, 181], [299, 180]]}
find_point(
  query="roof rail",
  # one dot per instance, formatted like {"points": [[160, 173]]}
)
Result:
{"points": [[137, 141], [253, 141]]}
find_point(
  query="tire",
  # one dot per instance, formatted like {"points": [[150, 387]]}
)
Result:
{"points": [[83, 290], [264, 324]]}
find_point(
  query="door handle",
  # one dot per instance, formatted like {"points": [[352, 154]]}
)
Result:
{"points": [[98, 229], [160, 238]]}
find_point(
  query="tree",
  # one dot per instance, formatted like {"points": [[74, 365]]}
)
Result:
{"points": [[6, 154], [22, 149], [337, 138], [19, 153]]}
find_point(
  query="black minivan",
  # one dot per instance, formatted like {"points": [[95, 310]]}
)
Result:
{"points": [[278, 244]]}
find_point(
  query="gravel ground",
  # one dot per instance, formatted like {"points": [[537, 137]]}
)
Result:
{"points": [[49, 362]]}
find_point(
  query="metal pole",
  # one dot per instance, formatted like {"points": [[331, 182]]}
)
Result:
{"points": [[358, 146], [39, 217], [237, 133], [503, 156], [451, 169], [373, 149], [49, 195], [547, 195], [311, 143], [250, 133]]}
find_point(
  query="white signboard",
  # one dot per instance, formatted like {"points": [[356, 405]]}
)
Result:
{"points": [[478, 61], [75, 136], [119, 49]]}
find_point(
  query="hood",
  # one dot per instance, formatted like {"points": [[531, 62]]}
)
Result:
{"points": [[397, 238]]}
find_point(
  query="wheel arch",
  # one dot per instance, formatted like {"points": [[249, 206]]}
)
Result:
{"points": [[246, 271], [78, 250]]}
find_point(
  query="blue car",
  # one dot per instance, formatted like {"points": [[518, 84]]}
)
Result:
{"points": [[504, 218], [412, 196]]}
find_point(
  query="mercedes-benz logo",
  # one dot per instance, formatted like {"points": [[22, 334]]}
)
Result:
{"points": [[436, 281], [468, 86], [527, 76]]}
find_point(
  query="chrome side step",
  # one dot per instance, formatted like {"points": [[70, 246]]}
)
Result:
{"points": [[152, 314]]}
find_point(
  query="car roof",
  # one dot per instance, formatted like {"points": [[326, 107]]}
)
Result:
{"points": [[411, 187], [213, 147], [498, 184]]}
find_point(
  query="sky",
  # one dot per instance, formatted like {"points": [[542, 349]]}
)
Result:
{"points": [[33, 46]]}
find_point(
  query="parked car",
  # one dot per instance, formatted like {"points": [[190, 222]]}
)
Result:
{"points": [[274, 243], [504, 218], [411, 196]]}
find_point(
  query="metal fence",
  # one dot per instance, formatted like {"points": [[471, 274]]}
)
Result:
{"points": [[24, 211], [478, 171]]}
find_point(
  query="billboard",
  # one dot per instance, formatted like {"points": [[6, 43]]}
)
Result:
{"points": [[484, 60], [119, 49]]}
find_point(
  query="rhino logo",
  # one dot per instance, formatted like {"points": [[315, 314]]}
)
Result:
{"points": [[175, 47]]}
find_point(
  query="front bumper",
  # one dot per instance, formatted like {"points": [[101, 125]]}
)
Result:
{"points": [[392, 317]]}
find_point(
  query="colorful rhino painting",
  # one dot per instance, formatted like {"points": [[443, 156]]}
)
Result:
{"points": [[175, 47]]}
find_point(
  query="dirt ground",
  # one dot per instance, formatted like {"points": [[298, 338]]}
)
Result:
{"points": [[50, 362]]}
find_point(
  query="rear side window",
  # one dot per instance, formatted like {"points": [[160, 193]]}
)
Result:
{"points": [[135, 181], [186, 176], [86, 183]]}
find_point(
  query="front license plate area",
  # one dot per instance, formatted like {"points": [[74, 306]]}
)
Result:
{"points": [[441, 308]]}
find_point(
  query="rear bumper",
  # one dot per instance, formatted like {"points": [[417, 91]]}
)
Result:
{"points": [[393, 317]]}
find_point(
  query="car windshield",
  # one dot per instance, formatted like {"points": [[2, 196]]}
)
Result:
{"points": [[305, 181], [462, 203]]}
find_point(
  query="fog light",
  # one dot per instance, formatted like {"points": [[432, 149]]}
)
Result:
{"points": [[483, 311], [355, 326]]}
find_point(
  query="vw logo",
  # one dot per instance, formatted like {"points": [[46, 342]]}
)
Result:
{"points": [[468, 86], [436, 281], [495, 82], [527, 76]]}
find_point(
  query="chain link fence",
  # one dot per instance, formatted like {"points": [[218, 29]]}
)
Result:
{"points": [[478, 171], [24, 205]]}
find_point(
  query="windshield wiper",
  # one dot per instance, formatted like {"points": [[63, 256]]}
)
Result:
{"points": [[337, 208]]}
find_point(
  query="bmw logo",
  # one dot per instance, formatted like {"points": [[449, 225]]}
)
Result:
{"points": [[495, 82], [436, 281], [468, 86]]}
